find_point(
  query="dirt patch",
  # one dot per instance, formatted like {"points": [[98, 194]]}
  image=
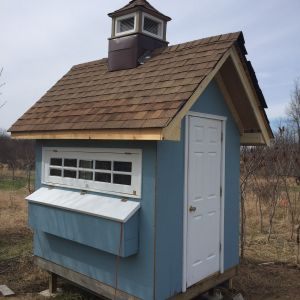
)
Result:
{"points": [[268, 282]]}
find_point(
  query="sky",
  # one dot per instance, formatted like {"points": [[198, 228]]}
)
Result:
{"points": [[41, 40]]}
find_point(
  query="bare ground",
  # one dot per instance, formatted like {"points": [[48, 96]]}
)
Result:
{"points": [[278, 279]]}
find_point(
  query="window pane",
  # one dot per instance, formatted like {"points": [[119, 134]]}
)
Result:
{"points": [[70, 162], [55, 172], [103, 165], [122, 166], [56, 162], [86, 164], [103, 177], [122, 179], [69, 174], [151, 26], [126, 24], [86, 175]]}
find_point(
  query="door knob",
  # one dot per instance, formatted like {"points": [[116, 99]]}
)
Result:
{"points": [[192, 208]]}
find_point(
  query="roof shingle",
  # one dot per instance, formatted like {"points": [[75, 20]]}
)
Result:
{"points": [[149, 96]]}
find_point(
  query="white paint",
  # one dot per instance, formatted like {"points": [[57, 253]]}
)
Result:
{"points": [[6, 291], [95, 205], [118, 20], [129, 155], [201, 258], [160, 26]]}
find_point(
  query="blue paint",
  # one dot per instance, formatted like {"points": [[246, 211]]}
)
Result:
{"points": [[212, 102], [136, 273], [155, 272], [169, 216], [170, 197], [105, 234]]}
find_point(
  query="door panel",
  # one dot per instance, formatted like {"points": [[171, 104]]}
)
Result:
{"points": [[204, 202]]}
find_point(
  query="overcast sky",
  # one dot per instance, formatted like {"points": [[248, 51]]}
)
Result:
{"points": [[41, 40]]}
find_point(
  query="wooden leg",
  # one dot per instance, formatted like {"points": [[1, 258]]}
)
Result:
{"points": [[230, 284], [52, 283]]}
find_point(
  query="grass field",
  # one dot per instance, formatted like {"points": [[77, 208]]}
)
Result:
{"points": [[268, 271]]}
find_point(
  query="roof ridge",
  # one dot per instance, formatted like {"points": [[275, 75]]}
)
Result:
{"points": [[208, 40], [189, 45]]}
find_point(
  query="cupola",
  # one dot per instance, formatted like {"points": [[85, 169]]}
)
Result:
{"points": [[137, 29]]}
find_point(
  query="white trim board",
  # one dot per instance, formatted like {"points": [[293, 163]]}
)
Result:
{"points": [[185, 201], [133, 156]]}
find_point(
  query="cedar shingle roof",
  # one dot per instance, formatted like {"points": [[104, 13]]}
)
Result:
{"points": [[149, 96]]}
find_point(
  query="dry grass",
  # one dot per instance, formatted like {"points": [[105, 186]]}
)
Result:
{"points": [[280, 248], [16, 264], [269, 270], [257, 281]]}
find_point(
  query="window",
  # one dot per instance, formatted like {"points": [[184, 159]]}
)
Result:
{"points": [[152, 26], [113, 171], [126, 24]]}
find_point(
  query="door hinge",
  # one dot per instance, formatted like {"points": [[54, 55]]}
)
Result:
{"points": [[220, 247], [221, 191], [222, 136]]}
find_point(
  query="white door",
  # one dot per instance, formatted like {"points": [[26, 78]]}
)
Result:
{"points": [[203, 198]]}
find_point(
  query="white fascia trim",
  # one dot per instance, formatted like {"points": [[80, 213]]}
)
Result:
{"points": [[206, 116]]}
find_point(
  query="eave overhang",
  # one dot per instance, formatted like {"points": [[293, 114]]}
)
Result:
{"points": [[260, 134]]}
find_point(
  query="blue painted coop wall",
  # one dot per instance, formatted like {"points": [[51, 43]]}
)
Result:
{"points": [[170, 193], [136, 273], [156, 271], [212, 102]]}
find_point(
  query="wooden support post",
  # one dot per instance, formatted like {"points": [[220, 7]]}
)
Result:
{"points": [[52, 283], [230, 283]]}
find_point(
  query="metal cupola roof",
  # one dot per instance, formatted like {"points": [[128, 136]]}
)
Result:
{"points": [[138, 5]]}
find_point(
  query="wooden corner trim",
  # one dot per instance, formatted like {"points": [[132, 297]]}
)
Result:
{"points": [[114, 134], [229, 102], [254, 101], [172, 131], [250, 139]]}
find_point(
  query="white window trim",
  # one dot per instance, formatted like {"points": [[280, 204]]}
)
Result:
{"points": [[128, 31], [131, 155], [156, 20]]}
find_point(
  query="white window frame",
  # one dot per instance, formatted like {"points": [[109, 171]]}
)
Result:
{"points": [[117, 20], [160, 35], [103, 154]]}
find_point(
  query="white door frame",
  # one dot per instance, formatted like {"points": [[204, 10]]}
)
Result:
{"points": [[185, 202]]}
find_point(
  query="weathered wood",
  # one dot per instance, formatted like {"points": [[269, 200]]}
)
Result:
{"points": [[84, 281], [229, 102], [251, 94], [52, 283], [206, 284], [6, 291], [172, 131], [120, 134], [252, 138]]}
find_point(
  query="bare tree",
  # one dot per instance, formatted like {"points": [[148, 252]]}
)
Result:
{"points": [[293, 110], [1, 85]]}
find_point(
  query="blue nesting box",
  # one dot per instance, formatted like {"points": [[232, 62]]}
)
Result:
{"points": [[137, 162]]}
